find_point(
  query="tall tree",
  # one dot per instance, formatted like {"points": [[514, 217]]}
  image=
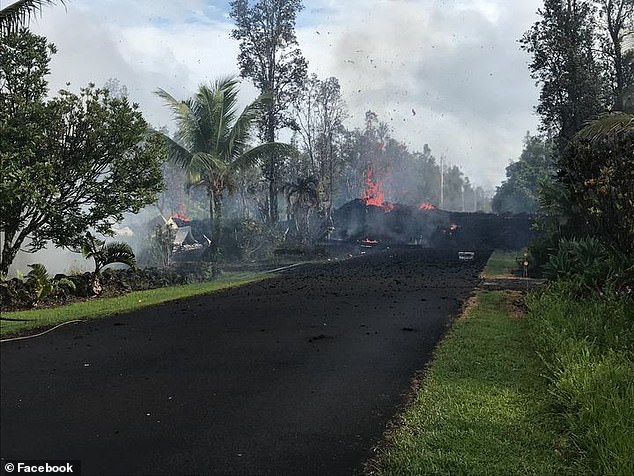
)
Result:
{"points": [[519, 192], [212, 142], [69, 163], [270, 57], [565, 66], [616, 20], [319, 112], [19, 13]]}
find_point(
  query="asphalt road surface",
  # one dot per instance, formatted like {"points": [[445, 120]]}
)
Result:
{"points": [[295, 375]]}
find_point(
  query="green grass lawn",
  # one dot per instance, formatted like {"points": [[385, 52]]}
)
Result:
{"points": [[502, 264], [95, 308], [482, 407]]}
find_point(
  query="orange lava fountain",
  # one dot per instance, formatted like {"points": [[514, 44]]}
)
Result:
{"points": [[373, 194]]}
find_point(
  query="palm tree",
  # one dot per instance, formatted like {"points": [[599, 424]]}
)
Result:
{"points": [[302, 196], [104, 254], [212, 141], [19, 13]]}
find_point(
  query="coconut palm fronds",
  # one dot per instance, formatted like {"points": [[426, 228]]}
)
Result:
{"points": [[606, 125], [19, 14]]}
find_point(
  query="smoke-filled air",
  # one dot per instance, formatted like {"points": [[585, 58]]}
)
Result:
{"points": [[321, 237]]}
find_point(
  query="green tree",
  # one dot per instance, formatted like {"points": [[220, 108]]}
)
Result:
{"points": [[564, 65], [212, 142], [19, 13], [598, 171], [270, 57], [69, 163], [519, 192], [616, 20]]}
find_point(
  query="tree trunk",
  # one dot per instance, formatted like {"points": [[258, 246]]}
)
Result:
{"points": [[619, 100], [7, 255], [218, 219], [273, 167], [212, 211], [273, 206], [331, 172], [211, 252]]}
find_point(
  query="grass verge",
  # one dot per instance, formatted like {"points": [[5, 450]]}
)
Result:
{"points": [[502, 264], [96, 308], [588, 347], [483, 407]]}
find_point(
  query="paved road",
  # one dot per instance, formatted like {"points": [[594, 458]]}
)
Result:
{"points": [[295, 375]]}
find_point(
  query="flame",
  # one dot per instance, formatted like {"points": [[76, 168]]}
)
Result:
{"points": [[373, 194], [426, 206], [368, 243], [181, 214]]}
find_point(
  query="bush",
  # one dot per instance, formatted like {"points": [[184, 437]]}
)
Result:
{"points": [[36, 286], [247, 239], [588, 266], [598, 171]]}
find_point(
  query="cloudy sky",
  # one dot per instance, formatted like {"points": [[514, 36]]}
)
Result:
{"points": [[457, 63]]}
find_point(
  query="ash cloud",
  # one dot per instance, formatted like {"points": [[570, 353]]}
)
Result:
{"points": [[457, 64]]}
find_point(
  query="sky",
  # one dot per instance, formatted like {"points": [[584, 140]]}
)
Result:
{"points": [[456, 64]]}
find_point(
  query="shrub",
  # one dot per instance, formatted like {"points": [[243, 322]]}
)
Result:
{"points": [[36, 286], [249, 239], [589, 266], [161, 245], [598, 171]]}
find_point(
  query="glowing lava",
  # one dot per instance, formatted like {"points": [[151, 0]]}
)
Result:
{"points": [[373, 194], [368, 243], [426, 206]]}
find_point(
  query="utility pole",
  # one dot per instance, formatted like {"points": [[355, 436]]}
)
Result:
{"points": [[463, 197], [442, 181]]}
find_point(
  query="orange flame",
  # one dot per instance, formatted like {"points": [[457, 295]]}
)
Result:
{"points": [[368, 243], [426, 206], [373, 194], [181, 214]]}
